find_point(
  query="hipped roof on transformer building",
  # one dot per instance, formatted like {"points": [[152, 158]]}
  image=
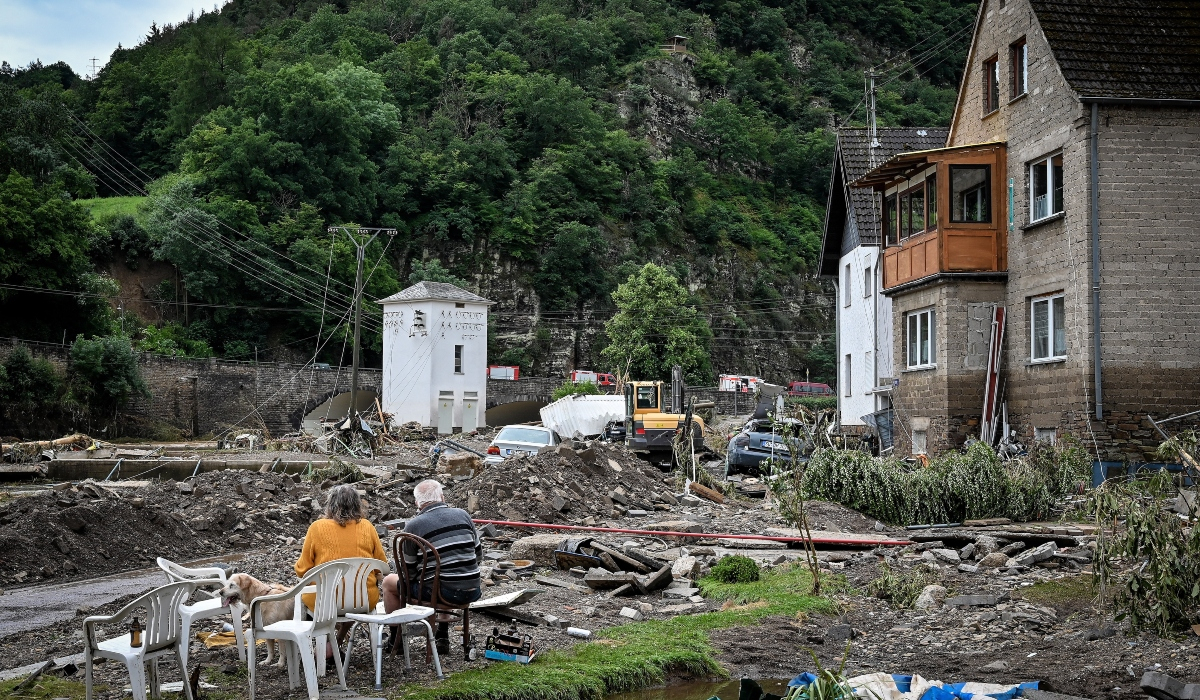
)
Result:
{"points": [[853, 159]]}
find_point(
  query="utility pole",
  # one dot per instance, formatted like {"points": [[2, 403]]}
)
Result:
{"points": [[872, 134], [363, 239]]}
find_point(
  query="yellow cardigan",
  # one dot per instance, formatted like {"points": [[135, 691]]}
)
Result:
{"points": [[326, 541]]}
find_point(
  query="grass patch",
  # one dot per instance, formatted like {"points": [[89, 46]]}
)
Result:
{"points": [[104, 207], [1063, 592], [46, 688], [635, 655]]}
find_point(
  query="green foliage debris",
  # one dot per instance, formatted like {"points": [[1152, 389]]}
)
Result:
{"points": [[954, 487], [903, 589], [570, 388]]}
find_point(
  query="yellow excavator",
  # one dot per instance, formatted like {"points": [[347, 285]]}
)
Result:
{"points": [[654, 413]]}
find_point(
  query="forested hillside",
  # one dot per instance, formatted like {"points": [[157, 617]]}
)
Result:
{"points": [[536, 151]]}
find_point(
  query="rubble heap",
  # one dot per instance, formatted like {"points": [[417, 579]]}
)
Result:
{"points": [[95, 527], [580, 484]]}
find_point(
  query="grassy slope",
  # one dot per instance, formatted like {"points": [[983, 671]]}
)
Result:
{"points": [[634, 655], [103, 207]]}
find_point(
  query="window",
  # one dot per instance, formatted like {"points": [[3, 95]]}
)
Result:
{"points": [[1047, 435], [1048, 330], [846, 382], [458, 359], [931, 200], [971, 194], [868, 282], [918, 442], [920, 339], [889, 218], [1018, 61], [991, 85], [1045, 188], [846, 287], [647, 397]]}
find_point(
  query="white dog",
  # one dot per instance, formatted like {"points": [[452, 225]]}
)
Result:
{"points": [[244, 588]]}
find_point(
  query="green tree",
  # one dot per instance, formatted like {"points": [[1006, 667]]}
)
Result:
{"points": [[433, 271], [104, 373], [28, 382], [655, 329]]}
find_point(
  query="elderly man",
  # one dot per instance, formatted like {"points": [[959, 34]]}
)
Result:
{"points": [[453, 535]]}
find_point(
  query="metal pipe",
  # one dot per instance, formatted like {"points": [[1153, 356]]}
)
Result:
{"points": [[709, 535], [1094, 186]]}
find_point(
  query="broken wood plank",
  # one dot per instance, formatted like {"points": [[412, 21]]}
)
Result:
{"points": [[507, 600], [987, 522], [705, 492], [547, 581], [609, 563], [629, 563], [658, 580], [626, 589], [652, 563], [513, 615]]}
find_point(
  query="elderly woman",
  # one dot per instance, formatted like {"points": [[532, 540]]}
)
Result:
{"points": [[343, 533]]}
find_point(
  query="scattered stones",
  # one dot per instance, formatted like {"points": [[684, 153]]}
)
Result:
{"points": [[973, 600], [947, 555], [1035, 555], [994, 560], [635, 615], [994, 667]]}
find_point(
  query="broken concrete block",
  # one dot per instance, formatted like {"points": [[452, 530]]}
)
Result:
{"points": [[947, 555], [658, 580], [635, 615], [967, 552], [560, 504], [680, 593], [1164, 687], [840, 633], [613, 463], [537, 548], [931, 597], [587, 454], [619, 496], [674, 526], [1035, 555], [637, 513], [565, 451], [627, 589], [601, 580], [1035, 694], [685, 567], [1185, 502]]}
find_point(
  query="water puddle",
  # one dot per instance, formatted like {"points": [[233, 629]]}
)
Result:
{"points": [[699, 690]]}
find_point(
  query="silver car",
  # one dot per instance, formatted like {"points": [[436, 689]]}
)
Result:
{"points": [[519, 439]]}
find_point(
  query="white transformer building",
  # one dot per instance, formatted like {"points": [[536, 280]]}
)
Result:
{"points": [[435, 357]]}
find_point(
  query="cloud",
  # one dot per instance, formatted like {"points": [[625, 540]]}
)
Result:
{"points": [[75, 32]]}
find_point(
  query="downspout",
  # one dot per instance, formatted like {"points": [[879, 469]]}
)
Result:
{"points": [[1094, 186]]}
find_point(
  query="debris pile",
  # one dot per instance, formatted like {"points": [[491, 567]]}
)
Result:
{"points": [[580, 484], [98, 527]]}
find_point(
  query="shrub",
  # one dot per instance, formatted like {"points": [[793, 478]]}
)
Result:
{"points": [[569, 388], [900, 590], [104, 373], [735, 569], [172, 339], [28, 381]]}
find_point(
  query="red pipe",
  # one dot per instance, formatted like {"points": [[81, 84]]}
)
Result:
{"points": [[658, 533]]}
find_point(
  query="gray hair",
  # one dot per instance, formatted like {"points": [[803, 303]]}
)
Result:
{"points": [[428, 491], [345, 505]]}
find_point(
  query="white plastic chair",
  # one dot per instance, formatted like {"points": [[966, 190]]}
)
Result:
{"points": [[326, 582], [378, 620], [207, 608], [352, 597], [161, 635]]}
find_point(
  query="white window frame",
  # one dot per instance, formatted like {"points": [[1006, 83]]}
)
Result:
{"points": [[459, 351], [913, 322], [868, 281], [848, 389], [1052, 317], [1046, 164], [1046, 435], [846, 293]]}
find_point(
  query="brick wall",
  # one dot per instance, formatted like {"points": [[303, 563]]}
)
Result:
{"points": [[1150, 220]]}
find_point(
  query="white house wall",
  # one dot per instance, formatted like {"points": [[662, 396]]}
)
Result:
{"points": [[419, 364], [856, 332]]}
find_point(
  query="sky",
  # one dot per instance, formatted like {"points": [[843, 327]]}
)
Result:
{"points": [[76, 30]]}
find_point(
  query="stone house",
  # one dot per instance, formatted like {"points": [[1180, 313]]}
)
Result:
{"points": [[850, 258], [1065, 195]]}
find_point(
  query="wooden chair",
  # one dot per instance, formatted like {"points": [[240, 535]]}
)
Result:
{"points": [[427, 558]]}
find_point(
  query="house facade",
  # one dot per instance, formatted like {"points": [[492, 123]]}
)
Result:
{"points": [[850, 257], [435, 357], [1064, 195]]}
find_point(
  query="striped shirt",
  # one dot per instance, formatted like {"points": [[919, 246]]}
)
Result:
{"points": [[453, 535]]}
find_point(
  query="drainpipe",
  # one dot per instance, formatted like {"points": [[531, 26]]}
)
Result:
{"points": [[1094, 186]]}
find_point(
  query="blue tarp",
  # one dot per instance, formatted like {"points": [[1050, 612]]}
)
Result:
{"points": [[948, 691]]}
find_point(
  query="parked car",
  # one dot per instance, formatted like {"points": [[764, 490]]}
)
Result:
{"points": [[519, 439], [757, 442], [809, 389]]}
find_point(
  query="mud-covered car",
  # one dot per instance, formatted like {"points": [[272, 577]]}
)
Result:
{"points": [[758, 441]]}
